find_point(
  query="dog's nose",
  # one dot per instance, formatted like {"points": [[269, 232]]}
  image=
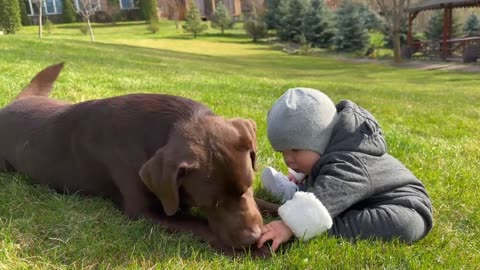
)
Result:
{"points": [[251, 236]]}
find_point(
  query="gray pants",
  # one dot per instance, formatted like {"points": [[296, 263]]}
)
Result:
{"points": [[384, 222]]}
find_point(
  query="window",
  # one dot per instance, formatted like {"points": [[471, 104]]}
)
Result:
{"points": [[49, 7], [127, 4], [28, 5]]}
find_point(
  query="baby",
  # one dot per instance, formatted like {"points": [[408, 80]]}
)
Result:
{"points": [[349, 185]]}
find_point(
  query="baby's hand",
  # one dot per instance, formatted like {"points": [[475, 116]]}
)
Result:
{"points": [[292, 178], [295, 177], [277, 231]]}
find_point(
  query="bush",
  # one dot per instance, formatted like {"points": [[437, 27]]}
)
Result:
{"points": [[149, 10], [84, 29], [153, 27], [68, 14], [305, 46], [48, 25], [10, 20], [377, 40], [23, 13]]}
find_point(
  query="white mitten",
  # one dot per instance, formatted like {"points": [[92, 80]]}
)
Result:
{"points": [[305, 215]]}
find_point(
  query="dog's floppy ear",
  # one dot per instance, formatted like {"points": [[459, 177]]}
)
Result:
{"points": [[247, 129], [42, 83], [163, 174]]}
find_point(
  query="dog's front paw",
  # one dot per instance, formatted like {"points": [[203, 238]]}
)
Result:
{"points": [[263, 252]]}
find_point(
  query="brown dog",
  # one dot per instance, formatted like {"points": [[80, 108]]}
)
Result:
{"points": [[152, 154]]}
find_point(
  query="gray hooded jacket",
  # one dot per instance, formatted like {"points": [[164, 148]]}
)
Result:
{"points": [[357, 172]]}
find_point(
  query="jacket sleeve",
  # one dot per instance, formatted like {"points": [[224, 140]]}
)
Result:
{"points": [[340, 183]]}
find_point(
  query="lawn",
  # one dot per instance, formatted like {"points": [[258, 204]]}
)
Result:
{"points": [[430, 119]]}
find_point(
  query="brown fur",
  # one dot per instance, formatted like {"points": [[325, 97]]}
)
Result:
{"points": [[151, 154]]}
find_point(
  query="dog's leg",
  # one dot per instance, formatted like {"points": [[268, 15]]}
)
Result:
{"points": [[267, 208], [200, 229]]}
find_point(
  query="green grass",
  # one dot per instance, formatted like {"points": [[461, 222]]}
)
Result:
{"points": [[430, 119]]}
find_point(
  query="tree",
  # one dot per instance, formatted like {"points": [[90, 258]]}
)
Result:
{"points": [[87, 8], [292, 25], [351, 34], [10, 19], [318, 28], [23, 13], [221, 18], [149, 10], [387, 32], [273, 13], [371, 19], [394, 13], [68, 12], [254, 26], [434, 29], [39, 5], [472, 26], [193, 22]]}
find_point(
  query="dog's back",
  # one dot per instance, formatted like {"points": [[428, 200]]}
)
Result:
{"points": [[69, 147]]}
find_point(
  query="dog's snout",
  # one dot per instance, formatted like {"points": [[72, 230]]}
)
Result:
{"points": [[251, 236]]}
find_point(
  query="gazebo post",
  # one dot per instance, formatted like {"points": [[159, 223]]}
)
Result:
{"points": [[411, 17]]}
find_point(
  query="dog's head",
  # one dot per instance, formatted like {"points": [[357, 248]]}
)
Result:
{"points": [[211, 160]]}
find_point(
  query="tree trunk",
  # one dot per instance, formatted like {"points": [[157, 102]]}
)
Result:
{"points": [[397, 47], [222, 30], [397, 57], [92, 38], [40, 26], [175, 17]]}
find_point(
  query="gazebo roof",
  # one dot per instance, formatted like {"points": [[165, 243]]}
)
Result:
{"points": [[439, 4]]}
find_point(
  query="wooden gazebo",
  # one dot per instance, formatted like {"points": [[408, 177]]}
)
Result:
{"points": [[447, 6]]}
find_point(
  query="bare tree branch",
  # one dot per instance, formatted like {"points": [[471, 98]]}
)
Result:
{"points": [[40, 16], [87, 8]]}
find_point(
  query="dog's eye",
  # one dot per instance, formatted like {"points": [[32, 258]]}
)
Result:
{"points": [[253, 157]]}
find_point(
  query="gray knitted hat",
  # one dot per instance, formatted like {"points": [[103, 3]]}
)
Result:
{"points": [[302, 118]]}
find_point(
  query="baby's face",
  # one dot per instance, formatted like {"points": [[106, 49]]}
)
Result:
{"points": [[300, 160]]}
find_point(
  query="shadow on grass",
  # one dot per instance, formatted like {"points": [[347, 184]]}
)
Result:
{"points": [[103, 25]]}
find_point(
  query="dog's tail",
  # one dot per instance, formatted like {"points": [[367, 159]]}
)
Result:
{"points": [[42, 83]]}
